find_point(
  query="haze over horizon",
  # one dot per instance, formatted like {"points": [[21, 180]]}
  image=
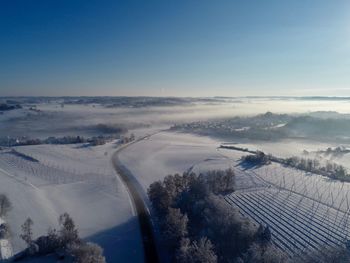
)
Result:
{"points": [[180, 48]]}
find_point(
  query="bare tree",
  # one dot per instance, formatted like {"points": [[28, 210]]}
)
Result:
{"points": [[5, 205], [68, 232], [27, 231]]}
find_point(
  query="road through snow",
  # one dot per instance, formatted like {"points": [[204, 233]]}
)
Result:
{"points": [[138, 198]]}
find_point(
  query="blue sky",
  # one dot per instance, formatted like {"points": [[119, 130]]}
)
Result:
{"points": [[175, 48]]}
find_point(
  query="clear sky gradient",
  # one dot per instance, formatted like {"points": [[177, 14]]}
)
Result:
{"points": [[175, 48]]}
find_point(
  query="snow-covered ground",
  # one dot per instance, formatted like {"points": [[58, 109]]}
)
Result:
{"points": [[166, 153], [285, 148], [45, 181], [272, 194], [288, 148]]}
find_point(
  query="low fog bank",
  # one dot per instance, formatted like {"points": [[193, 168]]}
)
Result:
{"points": [[272, 127], [91, 116]]}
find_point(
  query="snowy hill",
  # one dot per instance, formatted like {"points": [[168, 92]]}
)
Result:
{"points": [[75, 179]]}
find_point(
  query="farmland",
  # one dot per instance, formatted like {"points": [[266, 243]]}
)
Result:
{"points": [[304, 211]]}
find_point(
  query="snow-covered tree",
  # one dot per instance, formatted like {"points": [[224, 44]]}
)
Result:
{"points": [[88, 253], [5, 205], [174, 227], [264, 254], [27, 231], [68, 232], [196, 252]]}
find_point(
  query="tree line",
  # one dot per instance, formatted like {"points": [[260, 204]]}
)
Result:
{"points": [[5, 207], [329, 169], [94, 141]]}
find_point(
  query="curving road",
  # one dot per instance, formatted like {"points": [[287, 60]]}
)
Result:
{"points": [[137, 196]]}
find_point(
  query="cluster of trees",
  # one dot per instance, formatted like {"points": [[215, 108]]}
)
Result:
{"points": [[220, 181], [330, 169], [22, 141], [5, 207], [64, 242], [331, 152], [7, 107], [127, 139], [197, 225], [99, 140], [338, 151], [231, 147], [259, 158]]}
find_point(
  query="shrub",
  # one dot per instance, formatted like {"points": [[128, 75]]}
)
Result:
{"points": [[88, 253], [260, 158]]}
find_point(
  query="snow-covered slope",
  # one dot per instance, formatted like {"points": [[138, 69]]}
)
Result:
{"points": [[268, 194], [166, 153], [45, 181]]}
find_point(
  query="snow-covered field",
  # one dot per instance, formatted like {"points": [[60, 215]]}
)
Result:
{"points": [[304, 211], [288, 148], [45, 181], [166, 153], [297, 223]]}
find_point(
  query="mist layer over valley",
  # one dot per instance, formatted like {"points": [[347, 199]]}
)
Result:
{"points": [[43, 117]]}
